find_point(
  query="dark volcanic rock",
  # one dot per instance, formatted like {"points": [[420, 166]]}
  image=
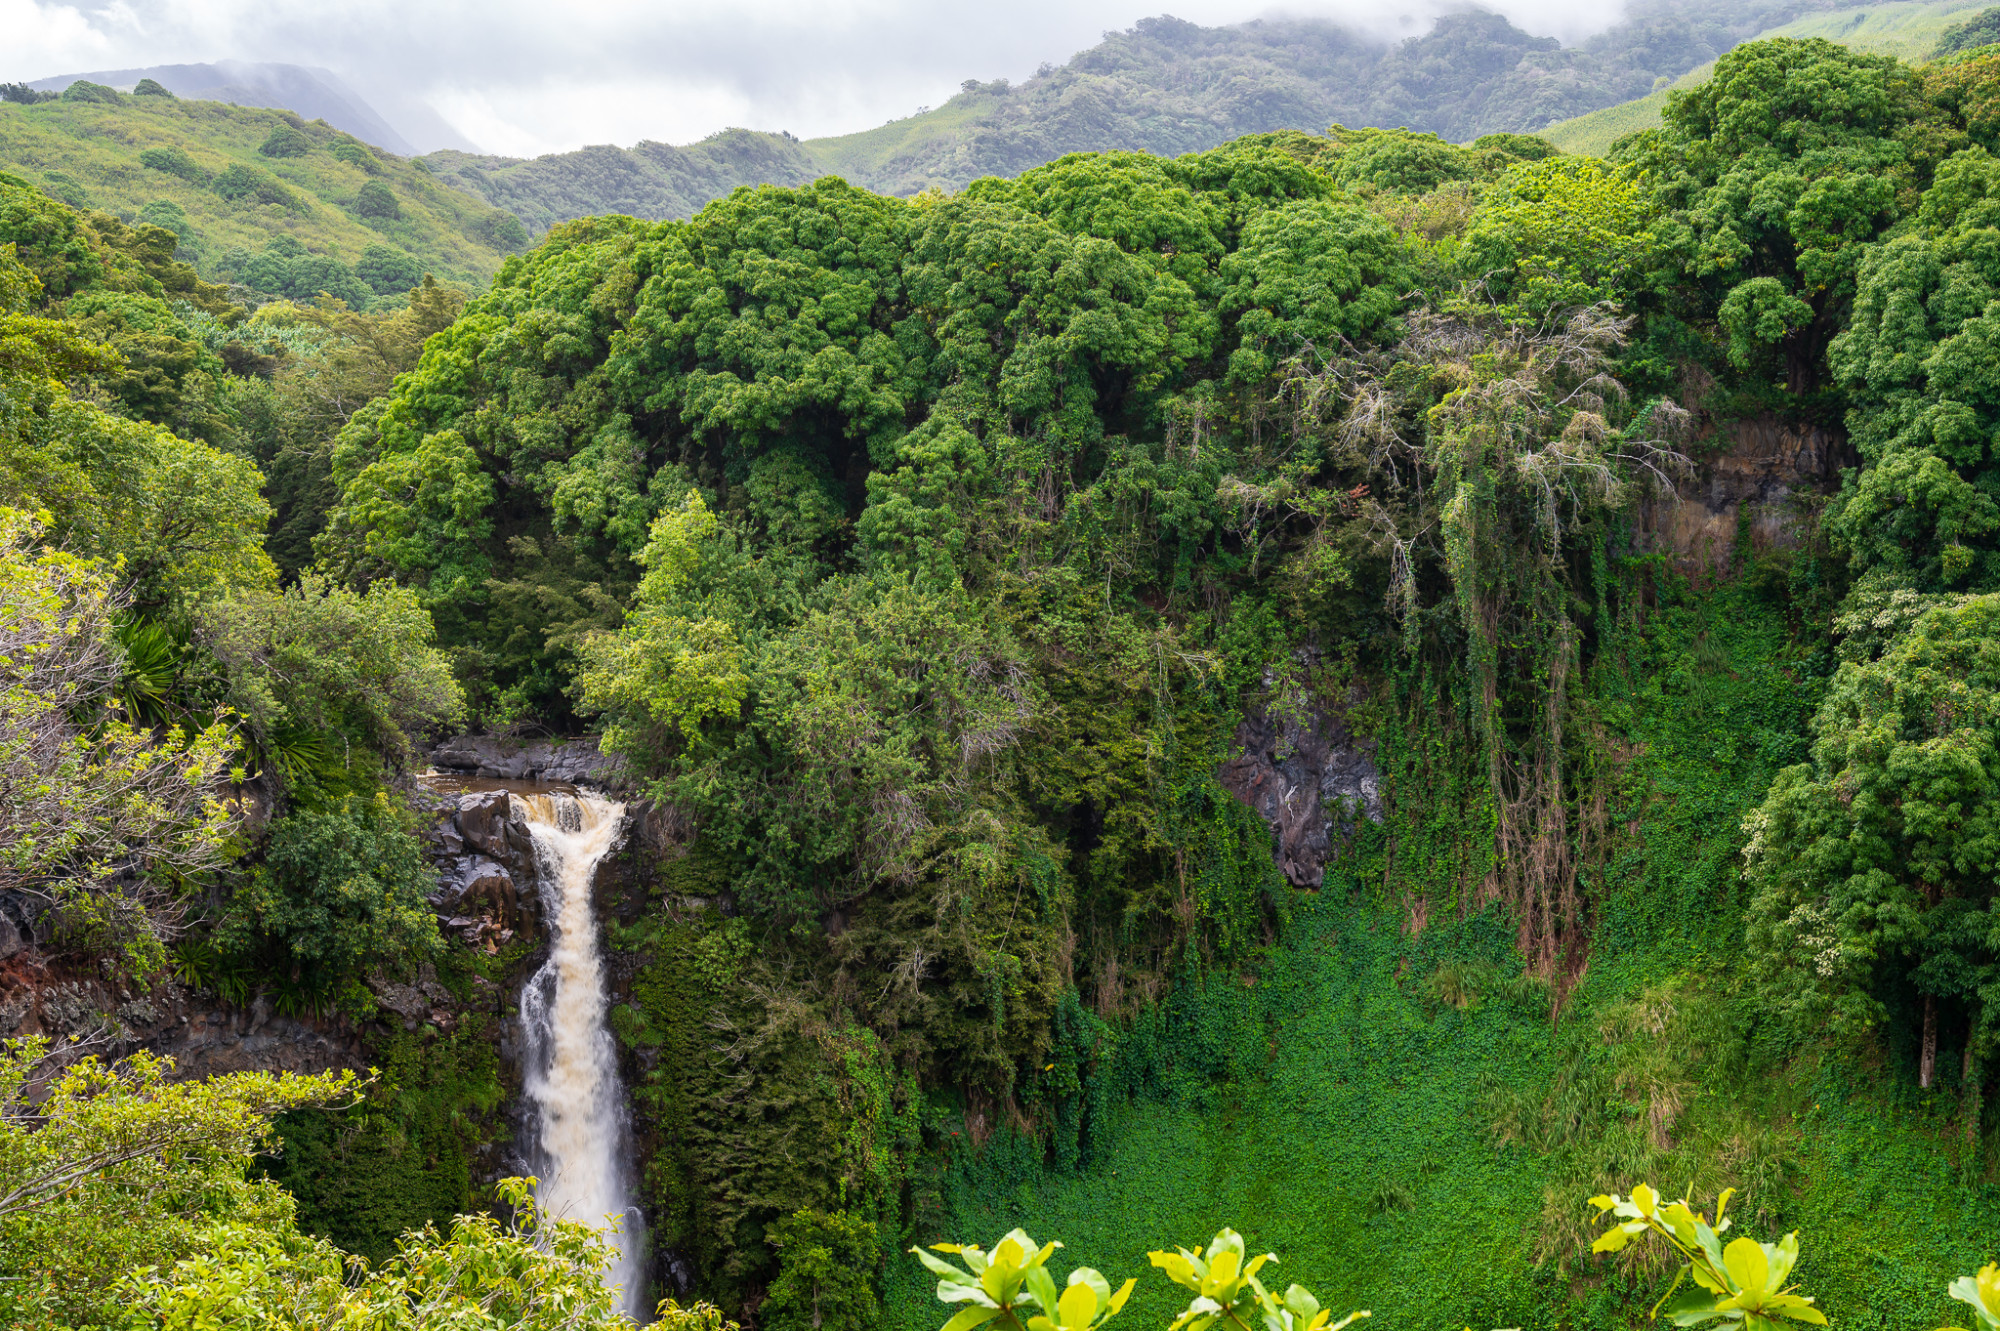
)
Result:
{"points": [[1309, 779], [575, 761]]}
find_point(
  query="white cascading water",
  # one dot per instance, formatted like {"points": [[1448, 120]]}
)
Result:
{"points": [[572, 1065]]}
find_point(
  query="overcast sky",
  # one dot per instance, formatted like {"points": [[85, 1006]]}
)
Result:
{"points": [[534, 76]]}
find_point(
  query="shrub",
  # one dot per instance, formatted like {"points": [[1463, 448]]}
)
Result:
{"points": [[239, 183], [284, 141], [375, 200], [342, 891], [503, 231], [355, 154], [825, 1267], [149, 88], [80, 91], [388, 270], [174, 160], [170, 216], [1402, 162], [322, 275], [62, 187], [1527, 147]]}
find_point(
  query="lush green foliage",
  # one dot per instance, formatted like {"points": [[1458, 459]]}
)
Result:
{"points": [[101, 816], [529, 1274], [341, 892], [826, 1278], [104, 1168], [951, 571], [1874, 865]]}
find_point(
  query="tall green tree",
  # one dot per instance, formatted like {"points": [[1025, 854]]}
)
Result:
{"points": [[1776, 174], [1874, 865]]}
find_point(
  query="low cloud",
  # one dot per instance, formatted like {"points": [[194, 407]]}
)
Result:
{"points": [[527, 78]]}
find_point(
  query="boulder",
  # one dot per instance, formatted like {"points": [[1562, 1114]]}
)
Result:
{"points": [[482, 822], [481, 887]]}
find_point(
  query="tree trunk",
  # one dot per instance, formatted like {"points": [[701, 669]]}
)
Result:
{"points": [[1927, 1061]]}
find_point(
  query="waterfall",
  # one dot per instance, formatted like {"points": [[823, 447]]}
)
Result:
{"points": [[572, 1066]]}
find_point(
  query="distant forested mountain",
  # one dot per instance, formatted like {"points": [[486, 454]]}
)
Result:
{"points": [[1164, 86], [653, 180]]}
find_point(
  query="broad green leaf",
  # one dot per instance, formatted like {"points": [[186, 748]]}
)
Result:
{"points": [[948, 1292], [1747, 1265], [970, 1318], [1783, 1256], [1124, 1293], [1084, 1275], [1178, 1268], [1078, 1308], [1613, 1239], [1043, 1288], [1645, 1199], [943, 1269], [1681, 1221], [1221, 1272], [1693, 1307], [1794, 1307]]}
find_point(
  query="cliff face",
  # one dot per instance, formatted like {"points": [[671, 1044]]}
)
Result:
{"points": [[1762, 473], [1310, 780], [202, 1034]]}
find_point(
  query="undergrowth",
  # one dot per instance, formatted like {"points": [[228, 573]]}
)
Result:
{"points": [[1384, 1098]]}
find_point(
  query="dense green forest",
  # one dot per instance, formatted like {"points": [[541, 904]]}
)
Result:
{"points": [[949, 571]]}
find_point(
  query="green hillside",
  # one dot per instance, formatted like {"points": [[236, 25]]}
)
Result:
{"points": [[1594, 134], [1909, 31], [230, 180]]}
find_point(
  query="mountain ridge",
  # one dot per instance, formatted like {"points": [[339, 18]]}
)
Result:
{"points": [[1164, 86]]}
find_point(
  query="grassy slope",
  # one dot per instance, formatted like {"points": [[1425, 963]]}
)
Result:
{"points": [[1362, 1145], [1595, 133], [865, 155], [1907, 30], [97, 147]]}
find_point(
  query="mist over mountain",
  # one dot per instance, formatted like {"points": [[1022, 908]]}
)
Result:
{"points": [[312, 92], [1163, 86]]}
